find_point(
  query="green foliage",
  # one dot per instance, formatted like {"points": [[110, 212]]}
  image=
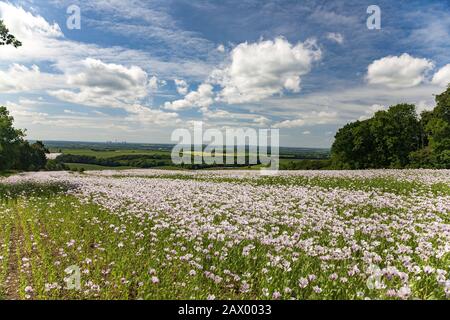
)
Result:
{"points": [[438, 127], [53, 165], [305, 164], [15, 152], [10, 140], [6, 38], [137, 161], [396, 138], [31, 157], [422, 158]]}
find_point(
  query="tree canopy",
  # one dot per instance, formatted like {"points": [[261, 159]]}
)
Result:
{"points": [[15, 152], [6, 38], [397, 138]]}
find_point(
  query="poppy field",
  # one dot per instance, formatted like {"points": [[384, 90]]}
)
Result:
{"points": [[152, 234]]}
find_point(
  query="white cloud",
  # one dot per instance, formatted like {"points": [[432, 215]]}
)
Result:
{"points": [[44, 41], [75, 112], [290, 123], [84, 78], [19, 78], [221, 48], [101, 84], [25, 25], [255, 71], [22, 113], [306, 132], [227, 117], [399, 71], [155, 83], [144, 115], [202, 98], [336, 37], [349, 103], [182, 86], [442, 76], [104, 126], [110, 77], [40, 40], [370, 111], [309, 119], [265, 68], [424, 105]]}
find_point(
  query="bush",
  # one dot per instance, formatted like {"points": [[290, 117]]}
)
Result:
{"points": [[53, 165]]}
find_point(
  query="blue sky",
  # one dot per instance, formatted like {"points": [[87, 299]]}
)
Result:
{"points": [[137, 70]]}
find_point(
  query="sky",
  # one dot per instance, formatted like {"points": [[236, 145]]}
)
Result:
{"points": [[137, 70]]}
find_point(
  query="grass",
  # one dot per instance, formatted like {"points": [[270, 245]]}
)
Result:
{"points": [[7, 173]]}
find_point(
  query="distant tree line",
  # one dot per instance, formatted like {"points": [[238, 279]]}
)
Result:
{"points": [[138, 161], [306, 164], [141, 161], [396, 138]]}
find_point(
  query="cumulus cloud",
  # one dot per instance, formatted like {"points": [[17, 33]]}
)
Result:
{"points": [[110, 77], [26, 25], [182, 86], [402, 71], [221, 48], [442, 76], [336, 37], [19, 78], [265, 68], [98, 84], [203, 97], [105, 84], [252, 73]]}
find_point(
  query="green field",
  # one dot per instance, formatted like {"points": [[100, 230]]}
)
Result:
{"points": [[102, 154], [93, 167], [112, 159]]}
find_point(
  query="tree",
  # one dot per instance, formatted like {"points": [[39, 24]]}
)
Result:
{"points": [[15, 152], [10, 140], [384, 141], [396, 138], [397, 133], [438, 126], [343, 151], [31, 157], [6, 38]]}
